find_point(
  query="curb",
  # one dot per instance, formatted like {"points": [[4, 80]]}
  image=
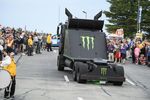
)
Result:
{"points": [[18, 59]]}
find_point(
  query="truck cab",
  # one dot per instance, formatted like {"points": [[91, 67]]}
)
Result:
{"points": [[83, 48]]}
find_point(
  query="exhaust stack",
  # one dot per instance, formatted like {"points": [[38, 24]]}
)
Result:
{"points": [[67, 12], [96, 17]]}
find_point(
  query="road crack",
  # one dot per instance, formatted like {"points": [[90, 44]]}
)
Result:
{"points": [[105, 91]]}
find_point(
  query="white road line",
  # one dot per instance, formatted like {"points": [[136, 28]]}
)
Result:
{"points": [[66, 78], [79, 98], [129, 81]]}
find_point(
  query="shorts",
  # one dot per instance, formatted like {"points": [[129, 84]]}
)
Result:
{"points": [[123, 56], [9, 49]]}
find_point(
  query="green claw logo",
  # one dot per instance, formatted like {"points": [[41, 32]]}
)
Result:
{"points": [[103, 71], [88, 40]]}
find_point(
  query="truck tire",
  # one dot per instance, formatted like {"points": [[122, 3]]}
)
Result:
{"points": [[74, 75], [120, 72], [79, 80], [118, 83], [60, 63]]}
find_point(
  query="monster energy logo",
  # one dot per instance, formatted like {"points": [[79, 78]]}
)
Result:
{"points": [[103, 71], [89, 40]]}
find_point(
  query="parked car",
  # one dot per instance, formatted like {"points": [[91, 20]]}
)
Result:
{"points": [[55, 41]]}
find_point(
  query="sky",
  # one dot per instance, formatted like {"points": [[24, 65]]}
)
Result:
{"points": [[45, 15]]}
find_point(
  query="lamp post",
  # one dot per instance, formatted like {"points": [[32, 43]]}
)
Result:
{"points": [[139, 17], [85, 14]]}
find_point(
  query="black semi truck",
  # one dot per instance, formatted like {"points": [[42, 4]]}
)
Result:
{"points": [[83, 48]]}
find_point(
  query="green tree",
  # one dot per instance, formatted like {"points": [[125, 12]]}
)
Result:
{"points": [[123, 14]]}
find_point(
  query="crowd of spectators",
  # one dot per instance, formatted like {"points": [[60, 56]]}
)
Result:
{"points": [[119, 50], [124, 49], [16, 40]]}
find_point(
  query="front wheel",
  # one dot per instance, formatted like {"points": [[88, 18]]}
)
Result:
{"points": [[74, 75], [79, 80], [60, 63]]}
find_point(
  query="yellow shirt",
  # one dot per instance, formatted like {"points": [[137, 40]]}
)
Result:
{"points": [[48, 39], [141, 45], [30, 42], [11, 68]]}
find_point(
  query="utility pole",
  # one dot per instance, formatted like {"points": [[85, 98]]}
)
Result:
{"points": [[139, 16]]}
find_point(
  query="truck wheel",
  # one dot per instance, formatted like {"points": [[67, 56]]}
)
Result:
{"points": [[79, 80], [60, 68], [74, 75], [119, 70], [60, 64], [118, 83]]}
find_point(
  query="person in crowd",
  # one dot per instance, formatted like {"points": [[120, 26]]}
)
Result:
{"points": [[132, 53], [117, 56], [123, 52], [127, 50], [9, 43], [2, 39], [35, 43], [21, 42], [142, 59], [39, 44], [9, 64], [44, 45], [148, 54], [143, 49], [30, 46], [40, 41], [137, 53], [49, 43], [111, 51], [1, 50]]}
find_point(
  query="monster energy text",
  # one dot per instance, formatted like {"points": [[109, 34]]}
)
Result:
{"points": [[86, 40], [103, 71]]}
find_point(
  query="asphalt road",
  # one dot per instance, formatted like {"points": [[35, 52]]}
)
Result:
{"points": [[38, 79]]}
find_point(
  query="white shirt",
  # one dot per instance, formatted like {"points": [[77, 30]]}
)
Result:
{"points": [[1, 48], [40, 37], [35, 39], [6, 61]]}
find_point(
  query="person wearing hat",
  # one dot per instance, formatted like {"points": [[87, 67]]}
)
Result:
{"points": [[30, 46], [8, 63], [49, 42]]}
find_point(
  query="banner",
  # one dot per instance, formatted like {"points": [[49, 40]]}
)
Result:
{"points": [[139, 35], [139, 14], [120, 32]]}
